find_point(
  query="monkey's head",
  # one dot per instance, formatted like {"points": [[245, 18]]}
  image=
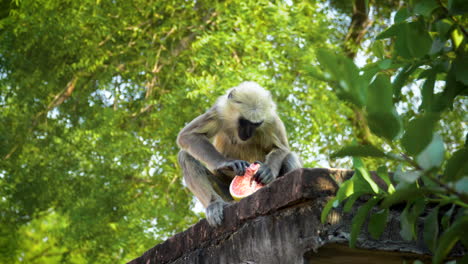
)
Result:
{"points": [[247, 107]]}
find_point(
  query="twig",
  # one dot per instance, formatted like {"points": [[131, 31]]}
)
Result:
{"points": [[449, 189]]}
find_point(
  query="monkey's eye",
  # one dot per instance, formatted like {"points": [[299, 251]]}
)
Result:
{"points": [[237, 102]]}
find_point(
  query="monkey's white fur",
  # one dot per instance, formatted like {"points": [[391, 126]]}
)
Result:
{"points": [[211, 141], [249, 100]]}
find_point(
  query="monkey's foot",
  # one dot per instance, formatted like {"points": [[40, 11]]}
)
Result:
{"points": [[214, 212]]}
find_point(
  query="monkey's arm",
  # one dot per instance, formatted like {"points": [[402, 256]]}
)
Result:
{"points": [[195, 139], [275, 157]]}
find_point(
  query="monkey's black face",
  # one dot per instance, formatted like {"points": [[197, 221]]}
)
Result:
{"points": [[247, 128]]}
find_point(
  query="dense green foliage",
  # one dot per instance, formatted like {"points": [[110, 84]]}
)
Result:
{"points": [[428, 46], [93, 94]]}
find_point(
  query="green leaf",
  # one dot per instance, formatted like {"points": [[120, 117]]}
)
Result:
{"points": [[457, 7], [409, 217], [361, 171], [425, 7], [463, 259], [359, 219], [444, 27], [437, 45], [346, 190], [407, 194], [406, 231], [433, 155], [401, 15], [413, 41], [385, 64], [457, 37], [378, 49], [326, 210], [457, 167], [408, 176], [445, 222], [347, 82], [401, 78], [461, 185], [453, 88], [351, 200], [359, 151], [313, 72], [377, 223], [418, 133], [391, 31], [449, 238], [369, 71], [428, 92], [460, 68], [379, 97], [385, 124], [382, 172], [431, 229], [382, 117]]}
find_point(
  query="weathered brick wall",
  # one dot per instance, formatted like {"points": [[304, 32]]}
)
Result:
{"points": [[280, 223]]}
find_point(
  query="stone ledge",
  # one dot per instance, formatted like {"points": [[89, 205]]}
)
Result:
{"points": [[292, 188], [280, 223]]}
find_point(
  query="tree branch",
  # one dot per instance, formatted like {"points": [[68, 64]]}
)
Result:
{"points": [[67, 92], [357, 29], [58, 100]]}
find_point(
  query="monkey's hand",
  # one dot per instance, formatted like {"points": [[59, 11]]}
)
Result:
{"points": [[214, 212], [264, 174], [237, 166]]}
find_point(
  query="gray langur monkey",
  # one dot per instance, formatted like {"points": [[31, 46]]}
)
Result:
{"points": [[242, 127]]}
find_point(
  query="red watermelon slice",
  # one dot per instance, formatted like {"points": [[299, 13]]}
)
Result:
{"points": [[243, 186]]}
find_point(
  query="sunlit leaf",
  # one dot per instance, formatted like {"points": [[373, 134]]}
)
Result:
{"points": [[326, 210], [457, 37], [383, 174], [361, 171]]}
